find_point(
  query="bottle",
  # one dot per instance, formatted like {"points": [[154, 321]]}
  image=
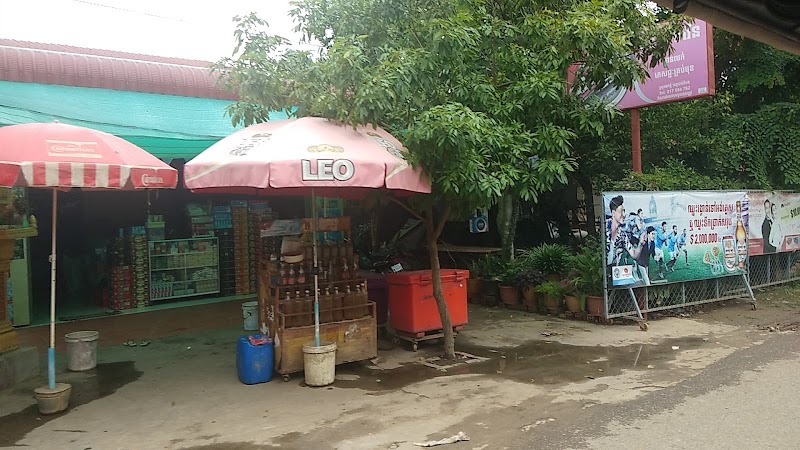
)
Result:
{"points": [[291, 278], [741, 238], [355, 265], [325, 308], [284, 279], [347, 304], [336, 305], [301, 276], [288, 312], [345, 269], [331, 273]]}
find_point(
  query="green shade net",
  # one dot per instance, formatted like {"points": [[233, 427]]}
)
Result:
{"points": [[168, 126]]}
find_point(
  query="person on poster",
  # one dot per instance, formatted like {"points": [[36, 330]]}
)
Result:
{"points": [[776, 233], [766, 228], [672, 248], [636, 223], [661, 239], [681, 247], [618, 241], [647, 251]]}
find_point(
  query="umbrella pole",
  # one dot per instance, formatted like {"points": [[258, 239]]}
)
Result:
{"points": [[316, 269], [51, 352]]}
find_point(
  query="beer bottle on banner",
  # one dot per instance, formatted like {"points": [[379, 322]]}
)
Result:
{"points": [[741, 237]]}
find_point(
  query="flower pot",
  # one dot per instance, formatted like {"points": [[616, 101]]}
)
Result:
{"points": [[573, 303], [529, 297], [474, 290], [594, 306], [509, 295], [553, 277], [52, 401], [489, 292], [553, 304]]}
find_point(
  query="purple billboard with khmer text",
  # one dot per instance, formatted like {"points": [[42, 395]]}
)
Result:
{"points": [[687, 73]]}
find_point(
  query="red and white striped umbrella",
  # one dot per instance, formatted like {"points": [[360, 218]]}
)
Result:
{"points": [[58, 155]]}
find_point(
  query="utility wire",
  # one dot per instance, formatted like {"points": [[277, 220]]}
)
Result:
{"points": [[117, 8]]}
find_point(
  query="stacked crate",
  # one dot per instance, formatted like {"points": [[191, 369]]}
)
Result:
{"points": [[258, 212], [140, 261], [120, 276], [241, 247], [121, 288], [223, 225]]}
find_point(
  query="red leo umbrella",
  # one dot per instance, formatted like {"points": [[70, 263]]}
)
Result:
{"points": [[61, 156]]}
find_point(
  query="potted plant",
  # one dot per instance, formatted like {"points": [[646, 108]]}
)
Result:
{"points": [[528, 280], [477, 272], [507, 281], [587, 277], [549, 259], [554, 292], [494, 270]]}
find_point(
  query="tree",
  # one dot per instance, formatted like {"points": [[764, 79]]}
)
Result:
{"points": [[476, 89], [747, 134]]}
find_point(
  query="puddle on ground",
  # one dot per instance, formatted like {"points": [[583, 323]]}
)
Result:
{"points": [[100, 382], [539, 362]]}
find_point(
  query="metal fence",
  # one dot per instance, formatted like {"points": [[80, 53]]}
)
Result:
{"points": [[763, 271]]}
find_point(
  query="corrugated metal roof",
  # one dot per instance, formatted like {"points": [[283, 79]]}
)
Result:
{"points": [[33, 62]]}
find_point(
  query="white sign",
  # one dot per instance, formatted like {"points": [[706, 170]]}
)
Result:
{"points": [[328, 170], [147, 180]]}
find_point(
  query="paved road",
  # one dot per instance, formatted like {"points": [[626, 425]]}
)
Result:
{"points": [[749, 400]]}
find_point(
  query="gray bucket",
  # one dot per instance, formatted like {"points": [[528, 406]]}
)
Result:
{"points": [[81, 350]]}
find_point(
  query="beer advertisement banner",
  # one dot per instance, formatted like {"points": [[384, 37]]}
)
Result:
{"points": [[656, 238], [776, 222]]}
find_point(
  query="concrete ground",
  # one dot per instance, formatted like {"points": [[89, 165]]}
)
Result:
{"points": [[545, 383]]}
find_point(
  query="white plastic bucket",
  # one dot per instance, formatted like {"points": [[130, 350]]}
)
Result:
{"points": [[319, 363], [82, 350], [250, 314]]}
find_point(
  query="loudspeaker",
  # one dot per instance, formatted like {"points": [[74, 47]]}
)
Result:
{"points": [[479, 221]]}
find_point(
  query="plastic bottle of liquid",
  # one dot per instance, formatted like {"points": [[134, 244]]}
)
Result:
{"points": [[337, 304], [288, 310], [741, 238]]}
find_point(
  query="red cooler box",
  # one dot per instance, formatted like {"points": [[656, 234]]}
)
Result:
{"points": [[412, 308]]}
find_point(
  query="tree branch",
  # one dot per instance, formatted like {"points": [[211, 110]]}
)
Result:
{"points": [[409, 210], [440, 226]]}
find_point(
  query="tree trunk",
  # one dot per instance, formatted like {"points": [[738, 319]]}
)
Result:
{"points": [[432, 232], [373, 230], [588, 192], [507, 216]]}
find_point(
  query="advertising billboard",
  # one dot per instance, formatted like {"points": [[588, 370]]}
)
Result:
{"points": [[686, 73], [656, 238], [776, 222]]}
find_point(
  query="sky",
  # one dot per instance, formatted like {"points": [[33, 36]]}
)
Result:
{"points": [[180, 28]]}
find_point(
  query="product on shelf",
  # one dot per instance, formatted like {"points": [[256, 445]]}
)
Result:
{"points": [[184, 267]]}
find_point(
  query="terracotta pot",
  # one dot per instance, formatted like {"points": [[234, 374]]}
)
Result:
{"points": [[489, 293], [474, 290], [529, 297], [553, 304], [594, 306], [509, 295], [573, 303]]}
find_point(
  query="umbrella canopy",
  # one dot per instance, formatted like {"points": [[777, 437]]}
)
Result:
{"points": [[68, 156], [290, 157], [56, 155]]}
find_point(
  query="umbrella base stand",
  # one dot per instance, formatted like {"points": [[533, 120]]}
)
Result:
{"points": [[8, 337]]}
